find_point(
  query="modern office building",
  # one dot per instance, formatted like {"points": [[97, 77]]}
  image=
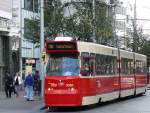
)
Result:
{"points": [[25, 11]]}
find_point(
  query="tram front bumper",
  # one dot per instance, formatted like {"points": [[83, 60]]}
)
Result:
{"points": [[62, 98]]}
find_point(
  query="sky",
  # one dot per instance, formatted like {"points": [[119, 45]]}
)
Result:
{"points": [[143, 12], [5, 8]]}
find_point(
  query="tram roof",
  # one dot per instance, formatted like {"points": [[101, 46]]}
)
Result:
{"points": [[96, 48], [106, 50]]}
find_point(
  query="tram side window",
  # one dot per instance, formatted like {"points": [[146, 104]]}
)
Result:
{"points": [[105, 65], [85, 69], [140, 67], [127, 66], [113, 65]]}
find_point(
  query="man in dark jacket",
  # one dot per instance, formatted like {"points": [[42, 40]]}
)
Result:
{"points": [[29, 87], [8, 85], [36, 78]]}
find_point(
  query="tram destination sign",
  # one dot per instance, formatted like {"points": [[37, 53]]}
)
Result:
{"points": [[61, 46]]}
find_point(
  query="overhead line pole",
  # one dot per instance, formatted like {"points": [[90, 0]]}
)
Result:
{"points": [[41, 45], [94, 20], [20, 39], [135, 49]]}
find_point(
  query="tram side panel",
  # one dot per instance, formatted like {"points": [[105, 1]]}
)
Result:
{"points": [[127, 85], [140, 73], [99, 89], [88, 90], [127, 77], [107, 87]]}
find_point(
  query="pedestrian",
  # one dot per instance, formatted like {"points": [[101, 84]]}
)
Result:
{"points": [[36, 78], [8, 85], [29, 87], [25, 89], [17, 84]]}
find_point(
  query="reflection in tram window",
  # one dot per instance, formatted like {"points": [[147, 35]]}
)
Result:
{"points": [[63, 66]]}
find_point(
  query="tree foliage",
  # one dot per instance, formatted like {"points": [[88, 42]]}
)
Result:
{"points": [[102, 23], [146, 51], [32, 30], [73, 19], [137, 39], [53, 18]]}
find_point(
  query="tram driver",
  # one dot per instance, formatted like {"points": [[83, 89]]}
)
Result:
{"points": [[85, 70]]}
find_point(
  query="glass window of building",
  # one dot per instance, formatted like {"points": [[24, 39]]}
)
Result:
{"points": [[31, 5], [28, 5], [31, 30]]}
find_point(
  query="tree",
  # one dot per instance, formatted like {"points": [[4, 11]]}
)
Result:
{"points": [[146, 51], [79, 23], [54, 18], [32, 30], [80, 19], [83, 21], [103, 25], [139, 40]]}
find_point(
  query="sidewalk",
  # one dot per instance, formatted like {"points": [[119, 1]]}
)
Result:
{"points": [[19, 104]]}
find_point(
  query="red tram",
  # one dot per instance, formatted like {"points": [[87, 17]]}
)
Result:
{"points": [[83, 73]]}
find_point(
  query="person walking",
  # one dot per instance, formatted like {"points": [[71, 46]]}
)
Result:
{"points": [[17, 83], [8, 85], [29, 87], [36, 78]]}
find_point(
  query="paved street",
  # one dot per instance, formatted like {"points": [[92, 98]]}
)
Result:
{"points": [[19, 104], [140, 104]]}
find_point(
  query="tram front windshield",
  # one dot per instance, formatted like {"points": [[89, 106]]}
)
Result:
{"points": [[63, 66]]}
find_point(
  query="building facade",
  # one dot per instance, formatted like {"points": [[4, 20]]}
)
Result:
{"points": [[5, 47], [24, 11]]}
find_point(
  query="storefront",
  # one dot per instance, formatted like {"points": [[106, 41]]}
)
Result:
{"points": [[29, 65]]}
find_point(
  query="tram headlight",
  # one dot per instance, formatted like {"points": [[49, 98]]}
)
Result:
{"points": [[70, 86], [72, 89], [50, 89]]}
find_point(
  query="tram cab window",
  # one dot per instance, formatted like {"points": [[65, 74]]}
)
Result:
{"points": [[63, 65]]}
